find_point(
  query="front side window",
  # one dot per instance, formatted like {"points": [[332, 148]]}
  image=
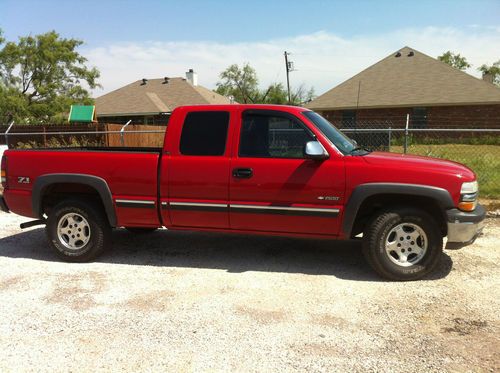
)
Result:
{"points": [[204, 133], [337, 138], [272, 136]]}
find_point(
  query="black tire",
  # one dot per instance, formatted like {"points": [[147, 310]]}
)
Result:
{"points": [[140, 230], [94, 222], [387, 227]]}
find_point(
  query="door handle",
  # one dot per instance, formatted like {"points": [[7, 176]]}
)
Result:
{"points": [[243, 173]]}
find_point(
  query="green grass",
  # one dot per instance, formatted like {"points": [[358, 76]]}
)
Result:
{"points": [[484, 160]]}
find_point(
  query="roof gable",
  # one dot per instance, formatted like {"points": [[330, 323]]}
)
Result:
{"points": [[408, 80], [155, 96]]}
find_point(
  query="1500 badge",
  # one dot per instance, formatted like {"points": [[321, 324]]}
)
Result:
{"points": [[329, 198]]}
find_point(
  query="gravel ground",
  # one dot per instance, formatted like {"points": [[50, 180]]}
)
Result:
{"points": [[209, 302]]}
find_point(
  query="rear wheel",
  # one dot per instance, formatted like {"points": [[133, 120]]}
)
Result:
{"points": [[78, 230], [403, 244]]}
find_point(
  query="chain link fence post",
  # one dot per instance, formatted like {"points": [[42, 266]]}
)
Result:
{"points": [[405, 148]]}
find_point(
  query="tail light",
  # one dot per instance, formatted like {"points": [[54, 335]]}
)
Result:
{"points": [[4, 172]]}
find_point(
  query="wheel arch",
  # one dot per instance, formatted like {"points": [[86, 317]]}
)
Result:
{"points": [[394, 193], [43, 183]]}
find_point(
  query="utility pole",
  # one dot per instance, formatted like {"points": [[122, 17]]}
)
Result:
{"points": [[289, 67]]}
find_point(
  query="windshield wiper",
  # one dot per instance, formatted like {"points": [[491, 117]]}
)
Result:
{"points": [[358, 148]]}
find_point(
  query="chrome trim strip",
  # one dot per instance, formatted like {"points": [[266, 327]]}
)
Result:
{"points": [[140, 202], [199, 204], [308, 209]]}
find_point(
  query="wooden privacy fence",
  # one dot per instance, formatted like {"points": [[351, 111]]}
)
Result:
{"points": [[132, 137], [82, 135]]}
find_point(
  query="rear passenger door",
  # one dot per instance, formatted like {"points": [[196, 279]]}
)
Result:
{"points": [[198, 170]]}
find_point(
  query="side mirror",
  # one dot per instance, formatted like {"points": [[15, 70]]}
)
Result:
{"points": [[314, 150]]}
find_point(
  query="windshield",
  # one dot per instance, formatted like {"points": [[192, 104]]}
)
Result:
{"points": [[341, 141]]}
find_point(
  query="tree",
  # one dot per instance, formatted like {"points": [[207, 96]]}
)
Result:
{"points": [[243, 84], [493, 70], [41, 76], [455, 60]]}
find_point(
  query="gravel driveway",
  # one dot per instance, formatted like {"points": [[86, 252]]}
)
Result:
{"points": [[210, 302]]}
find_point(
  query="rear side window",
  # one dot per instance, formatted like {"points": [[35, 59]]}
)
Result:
{"points": [[204, 133]]}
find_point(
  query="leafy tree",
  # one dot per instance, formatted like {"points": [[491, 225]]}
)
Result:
{"points": [[41, 76], [493, 70], [243, 85], [455, 60]]}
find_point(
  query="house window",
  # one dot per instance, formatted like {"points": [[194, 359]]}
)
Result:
{"points": [[204, 133], [348, 118], [419, 117]]}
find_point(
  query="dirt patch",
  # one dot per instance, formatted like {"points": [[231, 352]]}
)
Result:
{"points": [[330, 321], [156, 301], [10, 282], [465, 327], [77, 291], [260, 315]]}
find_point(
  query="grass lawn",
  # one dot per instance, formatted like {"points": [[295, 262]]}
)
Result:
{"points": [[484, 160]]}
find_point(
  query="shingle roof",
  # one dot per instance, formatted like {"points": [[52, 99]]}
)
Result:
{"points": [[155, 97], [418, 80]]}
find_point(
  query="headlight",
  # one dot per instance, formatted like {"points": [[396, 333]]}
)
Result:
{"points": [[468, 196]]}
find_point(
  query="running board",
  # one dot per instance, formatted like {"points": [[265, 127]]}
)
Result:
{"points": [[33, 223]]}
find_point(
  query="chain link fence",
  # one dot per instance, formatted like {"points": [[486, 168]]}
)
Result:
{"points": [[478, 148]]}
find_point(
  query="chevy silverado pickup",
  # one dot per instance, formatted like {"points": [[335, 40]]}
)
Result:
{"points": [[254, 169]]}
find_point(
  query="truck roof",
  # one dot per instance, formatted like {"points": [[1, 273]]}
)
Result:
{"points": [[287, 108]]}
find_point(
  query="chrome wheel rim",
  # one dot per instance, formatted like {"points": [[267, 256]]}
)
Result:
{"points": [[73, 231], [406, 244]]}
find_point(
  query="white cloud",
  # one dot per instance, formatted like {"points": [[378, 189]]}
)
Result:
{"points": [[322, 59]]}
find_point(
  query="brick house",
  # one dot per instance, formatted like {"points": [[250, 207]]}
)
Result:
{"points": [[410, 82], [150, 101]]}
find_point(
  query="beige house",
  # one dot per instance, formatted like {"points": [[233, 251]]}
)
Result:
{"points": [[150, 101]]}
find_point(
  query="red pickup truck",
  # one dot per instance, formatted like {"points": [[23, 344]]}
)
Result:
{"points": [[259, 169]]}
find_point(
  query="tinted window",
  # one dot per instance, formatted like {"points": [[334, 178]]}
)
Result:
{"points": [[265, 136], [204, 133]]}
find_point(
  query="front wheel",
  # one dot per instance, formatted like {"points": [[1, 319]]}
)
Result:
{"points": [[78, 230], [403, 244]]}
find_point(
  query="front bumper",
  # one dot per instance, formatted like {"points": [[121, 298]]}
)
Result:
{"points": [[464, 227], [3, 205]]}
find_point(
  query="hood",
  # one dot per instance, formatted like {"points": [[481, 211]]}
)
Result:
{"points": [[420, 162]]}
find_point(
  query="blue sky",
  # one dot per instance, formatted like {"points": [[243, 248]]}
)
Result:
{"points": [[331, 40]]}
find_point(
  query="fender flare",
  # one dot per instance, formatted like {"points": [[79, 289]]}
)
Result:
{"points": [[99, 184], [363, 191]]}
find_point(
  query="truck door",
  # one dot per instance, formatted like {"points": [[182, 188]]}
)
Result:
{"points": [[273, 187], [195, 175]]}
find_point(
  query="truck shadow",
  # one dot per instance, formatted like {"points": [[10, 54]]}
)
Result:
{"points": [[230, 252]]}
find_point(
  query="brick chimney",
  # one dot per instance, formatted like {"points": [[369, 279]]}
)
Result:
{"points": [[487, 77], [192, 77]]}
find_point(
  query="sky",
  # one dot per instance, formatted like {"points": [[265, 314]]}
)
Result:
{"points": [[329, 41]]}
